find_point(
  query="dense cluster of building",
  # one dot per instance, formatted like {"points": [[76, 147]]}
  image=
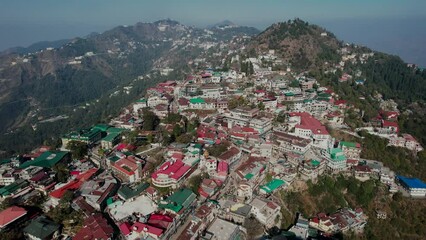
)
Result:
{"points": [[274, 125]]}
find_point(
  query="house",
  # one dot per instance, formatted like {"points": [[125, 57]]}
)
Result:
{"points": [[415, 186], [88, 136], [14, 188], [182, 199], [202, 217], [48, 159], [95, 227], [311, 169], [231, 156], [183, 104], [336, 159], [222, 171], [406, 141], [41, 228], [6, 177], [72, 185], [224, 230], [306, 126], [152, 193], [252, 170], [197, 103], [170, 174], [335, 117], [340, 104], [126, 192], [80, 204], [11, 215], [145, 231], [240, 116], [271, 186], [265, 211], [362, 172], [139, 105], [209, 187], [284, 142], [110, 140], [390, 127], [351, 150], [343, 220], [235, 212], [128, 168]]}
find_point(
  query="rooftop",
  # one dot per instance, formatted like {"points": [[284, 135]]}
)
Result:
{"points": [[10, 215], [272, 185], [412, 182], [47, 159], [41, 227], [142, 204]]}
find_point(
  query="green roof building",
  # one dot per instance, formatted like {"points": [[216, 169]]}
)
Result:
{"points": [[88, 136], [197, 101], [47, 159], [110, 140], [180, 200], [13, 187], [101, 127], [349, 144], [337, 159], [42, 228], [125, 192], [271, 186]]}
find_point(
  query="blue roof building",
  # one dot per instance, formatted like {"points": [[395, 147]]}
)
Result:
{"points": [[415, 186]]}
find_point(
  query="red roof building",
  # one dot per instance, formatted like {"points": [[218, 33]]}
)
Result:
{"points": [[74, 184], [170, 173], [392, 126], [128, 169], [147, 230], [95, 227], [10, 215], [308, 126]]}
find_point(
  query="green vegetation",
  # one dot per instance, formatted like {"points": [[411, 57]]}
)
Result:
{"points": [[398, 159], [237, 102], [65, 215], [78, 149], [150, 120], [62, 172]]}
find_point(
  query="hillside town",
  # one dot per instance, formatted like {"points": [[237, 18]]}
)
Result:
{"points": [[203, 158]]}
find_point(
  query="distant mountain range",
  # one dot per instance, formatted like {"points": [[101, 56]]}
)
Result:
{"points": [[36, 47]]}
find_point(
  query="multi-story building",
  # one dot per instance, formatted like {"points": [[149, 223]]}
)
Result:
{"points": [[284, 142], [351, 150], [306, 126], [170, 174], [128, 168], [265, 211], [336, 159]]}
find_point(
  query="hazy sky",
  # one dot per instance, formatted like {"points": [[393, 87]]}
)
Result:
{"points": [[23, 22]]}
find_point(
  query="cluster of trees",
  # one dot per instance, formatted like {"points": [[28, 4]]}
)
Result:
{"points": [[399, 159], [65, 215], [247, 68], [150, 120], [184, 130], [78, 149], [331, 193], [237, 102]]}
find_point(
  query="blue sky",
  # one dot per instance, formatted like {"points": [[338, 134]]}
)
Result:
{"points": [[23, 22]]}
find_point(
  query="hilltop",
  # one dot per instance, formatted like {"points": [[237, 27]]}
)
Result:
{"points": [[300, 44]]}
